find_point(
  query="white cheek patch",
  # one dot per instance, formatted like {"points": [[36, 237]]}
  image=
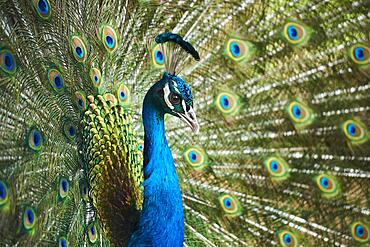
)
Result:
{"points": [[190, 113], [166, 94], [184, 106]]}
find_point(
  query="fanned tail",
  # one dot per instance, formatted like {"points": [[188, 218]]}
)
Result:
{"points": [[281, 91]]}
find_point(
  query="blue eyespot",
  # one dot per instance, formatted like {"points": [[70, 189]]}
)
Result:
{"points": [[8, 61], [359, 231], [122, 95], [96, 78], [235, 49], [72, 131], [359, 53], [192, 156], [293, 32], [227, 203], [108, 37], [43, 7], [79, 51], [351, 128], [287, 239], [225, 103], [58, 82], [2, 191], [274, 166], [36, 138], [30, 216], [63, 242], [92, 233], [324, 182], [140, 147], [297, 111], [69, 129], [64, 185], [109, 41], [81, 102], [159, 57], [63, 188]]}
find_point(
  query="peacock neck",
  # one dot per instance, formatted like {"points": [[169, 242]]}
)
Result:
{"points": [[162, 219]]}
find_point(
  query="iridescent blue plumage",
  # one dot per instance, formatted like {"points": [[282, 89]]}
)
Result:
{"points": [[162, 210]]}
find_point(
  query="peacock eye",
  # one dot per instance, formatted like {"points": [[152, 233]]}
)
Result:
{"points": [[175, 99]]}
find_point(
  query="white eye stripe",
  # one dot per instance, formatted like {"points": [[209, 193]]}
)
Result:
{"points": [[166, 95], [175, 86]]}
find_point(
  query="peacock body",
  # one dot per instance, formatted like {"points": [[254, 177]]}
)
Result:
{"points": [[281, 90]]}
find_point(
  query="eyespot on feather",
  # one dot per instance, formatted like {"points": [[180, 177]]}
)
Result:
{"points": [[108, 37], [80, 100], [300, 114], [123, 95], [78, 48], [230, 205], [360, 55], [287, 238], [328, 185], [69, 129], [4, 194], [239, 50], [196, 157], [355, 131], [8, 65], [35, 139], [158, 56], [92, 233], [277, 168], [140, 146], [296, 34], [63, 188], [360, 231], [29, 218], [42, 8], [228, 103], [63, 242], [56, 80]]}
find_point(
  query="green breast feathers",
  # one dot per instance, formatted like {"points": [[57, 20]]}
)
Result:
{"points": [[114, 164]]}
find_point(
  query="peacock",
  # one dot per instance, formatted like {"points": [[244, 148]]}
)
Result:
{"points": [[184, 123]]}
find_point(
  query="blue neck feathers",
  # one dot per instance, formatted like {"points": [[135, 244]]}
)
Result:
{"points": [[162, 219]]}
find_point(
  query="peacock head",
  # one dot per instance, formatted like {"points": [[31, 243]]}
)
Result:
{"points": [[174, 97]]}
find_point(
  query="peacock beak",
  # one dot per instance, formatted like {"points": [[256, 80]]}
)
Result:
{"points": [[190, 119]]}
